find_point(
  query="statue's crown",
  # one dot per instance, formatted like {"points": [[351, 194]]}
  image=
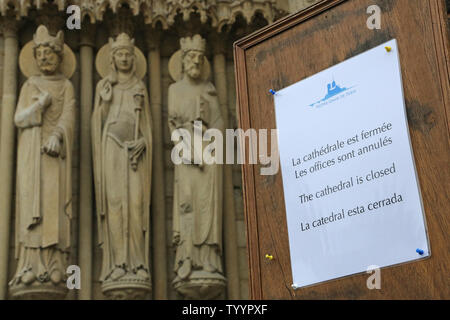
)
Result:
{"points": [[43, 37], [123, 40], [196, 43]]}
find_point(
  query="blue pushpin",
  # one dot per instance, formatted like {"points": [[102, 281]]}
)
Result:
{"points": [[420, 251], [272, 92]]}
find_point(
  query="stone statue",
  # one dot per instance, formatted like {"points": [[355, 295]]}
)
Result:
{"points": [[45, 116], [197, 203], [122, 152]]}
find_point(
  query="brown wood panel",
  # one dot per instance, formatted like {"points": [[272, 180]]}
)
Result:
{"points": [[310, 41]]}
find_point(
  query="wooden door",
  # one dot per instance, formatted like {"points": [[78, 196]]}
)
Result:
{"points": [[313, 40]]}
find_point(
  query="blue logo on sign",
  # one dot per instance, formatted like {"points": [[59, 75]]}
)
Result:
{"points": [[333, 90]]}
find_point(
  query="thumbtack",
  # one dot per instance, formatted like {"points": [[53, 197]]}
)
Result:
{"points": [[268, 256], [272, 92], [388, 49], [420, 251], [294, 286]]}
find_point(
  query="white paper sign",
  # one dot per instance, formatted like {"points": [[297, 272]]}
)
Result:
{"points": [[351, 191]]}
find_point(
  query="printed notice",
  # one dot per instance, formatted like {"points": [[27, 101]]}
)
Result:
{"points": [[351, 190]]}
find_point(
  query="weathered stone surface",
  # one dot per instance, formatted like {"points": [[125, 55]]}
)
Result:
{"points": [[226, 19], [220, 13], [198, 188], [45, 118], [122, 153]]}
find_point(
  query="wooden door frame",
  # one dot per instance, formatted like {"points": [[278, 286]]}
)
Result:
{"points": [[439, 17]]}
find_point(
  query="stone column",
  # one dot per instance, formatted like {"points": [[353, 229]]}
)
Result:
{"points": [[85, 236], [158, 212], [229, 216], [7, 145], [2, 57]]}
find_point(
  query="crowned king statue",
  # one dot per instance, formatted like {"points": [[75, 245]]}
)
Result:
{"points": [[45, 117], [197, 203]]}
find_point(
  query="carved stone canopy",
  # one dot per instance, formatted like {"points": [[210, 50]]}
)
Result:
{"points": [[219, 12]]}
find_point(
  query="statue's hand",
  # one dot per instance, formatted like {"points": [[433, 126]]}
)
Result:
{"points": [[204, 104], [35, 222], [52, 147], [137, 147], [175, 122], [204, 127], [45, 99], [176, 239], [106, 91], [139, 101]]}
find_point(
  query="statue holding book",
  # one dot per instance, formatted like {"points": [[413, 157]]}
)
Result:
{"points": [[197, 203]]}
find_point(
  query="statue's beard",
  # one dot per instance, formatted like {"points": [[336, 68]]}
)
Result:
{"points": [[194, 72], [48, 68]]}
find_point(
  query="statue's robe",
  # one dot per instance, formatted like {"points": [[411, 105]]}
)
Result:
{"points": [[122, 194], [197, 200], [44, 183]]}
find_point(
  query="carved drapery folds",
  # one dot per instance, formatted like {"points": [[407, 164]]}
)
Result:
{"points": [[198, 189], [219, 12], [122, 153], [45, 117]]}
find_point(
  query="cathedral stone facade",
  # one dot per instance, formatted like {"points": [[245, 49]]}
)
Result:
{"points": [[73, 185]]}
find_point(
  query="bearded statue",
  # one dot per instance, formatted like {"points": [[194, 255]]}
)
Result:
{"points": [[45, 117], [197, 203]]}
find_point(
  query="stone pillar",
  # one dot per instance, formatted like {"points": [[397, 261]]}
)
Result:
{"points": [[85, 236], [229, 216], [7, 145], [158, 207], [2, 57]]}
